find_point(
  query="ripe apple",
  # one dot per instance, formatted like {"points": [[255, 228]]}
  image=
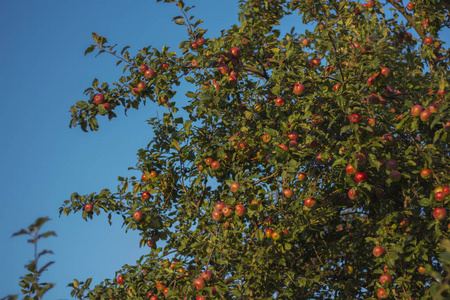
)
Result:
{"points": [[305, 42], [239, 209], [160, 286], [350, 170], [141, 86], [217, 215], [301, 176], [206, 275], [224, 69], [151, 243], [153, 174], [143, 68], [234, 187], [227, 211], [336, 86], [361, 159], [293, 136], [200, 298], [280, 102], [353, 194], [215, 165], [144, 177], [153, 297], [391, 164], [99, 99], [360, 177], [439, 213], [201, 41], [410, 6], [310, 202], [145, 195], [428, 41], [316, 62], [446, 190], [137, 215], [382, 294], [385, 71], [120, 279], [276, 236], [149, 73], [194, 45], [219, 206], [416, 110], [433, 108], [199, 283], [395, 176], [439, 196], [421, 270], [236, 52], [425, 173], [88, 207], [378, 251], [288, 193], [267, 138], [373, 99], [385, 278], [446, 126], [284, 147], [425, 115], [299, 89], [371, 80], [388, 139], [268, 232]]}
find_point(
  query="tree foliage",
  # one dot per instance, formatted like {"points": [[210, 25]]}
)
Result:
{"points": [[318, 146]]}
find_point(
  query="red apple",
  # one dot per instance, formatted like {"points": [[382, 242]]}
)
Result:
{"points": [[371, 80], [395, 176], [288, 193], [280, 102], [446, 190], [88, 207], [284, 147], [301, 176], [355, 118], [310, 202], [382, 294], [428, 41], [361, 159], [99, 99], [227, 211], [207, 275], [267, 138], [410, 6], [199, 283], [201, 41], [388, 138], [141, 86], [194, 45], [305, 42], [433, 108], [336, 86], [236, 52], [143, 68], [360, 177], [439, 196], [137, 215], [425, 115], [234, 187], [385, 278], [385, 71], [350, 170], [391, 164], [439, 213], [145, 195], [240, 210], [224, 69], [353, 194], [151, 243], [293, 136], [425, 173], [421, 270], [217, 215], [378, 251], [299, 89], [215, 165], [276, 236], [416, 110], [120, 279], [446, 126], [268, 232], [149, 73], [316, 62]]}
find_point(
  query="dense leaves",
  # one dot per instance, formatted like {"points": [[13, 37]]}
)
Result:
{"points": [[291, 158]]}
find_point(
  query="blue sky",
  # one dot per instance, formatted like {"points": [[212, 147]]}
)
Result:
{"points": [[44, 72]]}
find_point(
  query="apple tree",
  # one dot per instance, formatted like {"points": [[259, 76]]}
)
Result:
{"points": [[305, 165]]}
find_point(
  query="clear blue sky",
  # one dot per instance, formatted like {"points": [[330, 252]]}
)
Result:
{"points": [[43, 73]]}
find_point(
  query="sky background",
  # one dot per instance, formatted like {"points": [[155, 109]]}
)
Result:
{"points": [[43, 73]]}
